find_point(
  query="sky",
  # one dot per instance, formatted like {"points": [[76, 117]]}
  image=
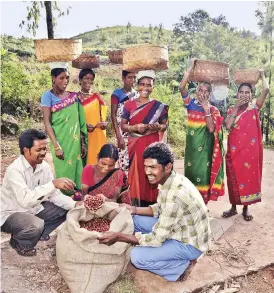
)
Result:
{"points": [[88, 15]]}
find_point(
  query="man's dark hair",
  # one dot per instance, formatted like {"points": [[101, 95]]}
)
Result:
{"points": [[159, 151], [28, 137], [85, 72], [125, 73]]}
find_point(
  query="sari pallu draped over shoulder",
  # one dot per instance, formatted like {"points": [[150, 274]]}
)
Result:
{"points": [[244, 158], [95, 111], [149, 113], [204, 156], [68, 122]]}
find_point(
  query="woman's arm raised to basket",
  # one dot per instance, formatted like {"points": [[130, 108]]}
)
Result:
{"points": [[184, 81], [261, 98]]}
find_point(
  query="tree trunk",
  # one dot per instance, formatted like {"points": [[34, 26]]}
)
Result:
{"points": [[49, 19]]}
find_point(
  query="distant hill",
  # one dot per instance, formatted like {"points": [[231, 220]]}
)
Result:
{"points": [[101, 40], [119, 37]]}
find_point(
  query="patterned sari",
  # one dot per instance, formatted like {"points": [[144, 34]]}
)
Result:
{"points": [[119, 97], [204, 151], [244, 158], [141, 191], [68, 122], [95, 111], [107, 186]]}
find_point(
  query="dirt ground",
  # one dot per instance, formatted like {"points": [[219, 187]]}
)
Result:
{"points": [[40, 274]]}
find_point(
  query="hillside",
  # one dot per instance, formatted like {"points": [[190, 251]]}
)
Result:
{"points": [[119, 37], [98, 41]]}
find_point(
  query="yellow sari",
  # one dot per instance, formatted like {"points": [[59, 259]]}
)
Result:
{"points": [[95, 111]]}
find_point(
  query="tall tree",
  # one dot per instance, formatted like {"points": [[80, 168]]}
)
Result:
{"points": [[193, 23], [265, 16], [35, 9]]}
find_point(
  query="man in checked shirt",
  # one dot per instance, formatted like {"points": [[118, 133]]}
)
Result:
{"points": [[171, 234]]}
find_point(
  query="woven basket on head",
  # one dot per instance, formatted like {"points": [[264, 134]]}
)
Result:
{"points": [[246, 75], [210, 71], [86, 61], [57, 50], [145, 57], [116, 56]]}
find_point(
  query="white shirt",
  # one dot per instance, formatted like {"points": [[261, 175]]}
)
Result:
{"points": [[24, 190]]}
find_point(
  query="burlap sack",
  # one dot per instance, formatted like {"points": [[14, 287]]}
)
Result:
{"points": [[86, 265]]}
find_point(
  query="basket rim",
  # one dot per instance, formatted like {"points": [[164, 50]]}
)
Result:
{"points": [[120, 50], [147, 45], [211, 61], [65, 39], [254, 70]]}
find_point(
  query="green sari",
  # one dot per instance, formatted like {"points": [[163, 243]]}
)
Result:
{"points": [[204, 151], [68, 122]]}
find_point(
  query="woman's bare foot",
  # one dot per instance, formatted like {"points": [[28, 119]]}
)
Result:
{"points": [[230, 213], [246, 215]]}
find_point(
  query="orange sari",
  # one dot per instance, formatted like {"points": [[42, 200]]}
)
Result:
{"points": [[95, 111]]}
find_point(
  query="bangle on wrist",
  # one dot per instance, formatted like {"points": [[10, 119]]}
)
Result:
{"points": [[58, 148], [208, 115]]}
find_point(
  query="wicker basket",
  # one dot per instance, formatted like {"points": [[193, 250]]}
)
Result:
{"points": [[86, 61], [145, 57], [57, 50], [116, 56], [210, 71], [246, 75]]}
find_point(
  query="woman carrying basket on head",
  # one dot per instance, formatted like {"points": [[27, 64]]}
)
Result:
{"points": [[143, 119], [204, 141], [244, 158], [65, 125]]}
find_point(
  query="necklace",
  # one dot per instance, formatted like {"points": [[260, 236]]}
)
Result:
{"points": [[56, 93], [85, 94]]}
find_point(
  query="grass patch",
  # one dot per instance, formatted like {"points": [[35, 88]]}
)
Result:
{"points": [[124, 284]]}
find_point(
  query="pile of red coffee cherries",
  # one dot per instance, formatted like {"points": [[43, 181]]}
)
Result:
{"points": [[96, 224], [93, 203]]}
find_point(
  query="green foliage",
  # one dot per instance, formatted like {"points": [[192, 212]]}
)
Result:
{"points": [[119, 37], [188, 26], [22, 82], [219, 44], [177, 116], [23, 47]]}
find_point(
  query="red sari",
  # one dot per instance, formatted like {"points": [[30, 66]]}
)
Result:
{"points": [[117, 179], [141, 191], [244, 158]]}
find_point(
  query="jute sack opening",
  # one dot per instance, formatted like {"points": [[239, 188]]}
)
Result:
{"points": [[86, 265]]}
